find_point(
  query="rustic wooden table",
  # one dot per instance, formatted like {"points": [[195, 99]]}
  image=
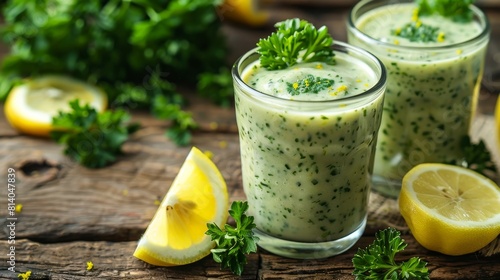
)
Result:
{"points": [[72, 215]]}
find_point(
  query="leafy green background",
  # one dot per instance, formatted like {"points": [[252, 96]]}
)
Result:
{"points": [[138, 51]]}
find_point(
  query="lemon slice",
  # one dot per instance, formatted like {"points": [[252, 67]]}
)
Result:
{"points": [[29, 107], [176, 234], [450, 209]]}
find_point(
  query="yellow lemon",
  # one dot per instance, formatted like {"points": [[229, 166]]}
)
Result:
{"points": [[176, 234], [497, 122], [450, 209], [29, 107], [243, 11]]}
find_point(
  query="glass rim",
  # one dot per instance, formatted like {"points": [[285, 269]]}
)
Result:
{"points": [[370, 40], [337, 46]]}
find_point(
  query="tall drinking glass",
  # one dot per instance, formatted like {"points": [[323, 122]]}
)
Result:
{"points": [[432, 87], [307, 158]]}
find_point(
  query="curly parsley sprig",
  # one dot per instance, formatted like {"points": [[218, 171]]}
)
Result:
{"points": [[294, 41], [377, 261], [234, 243], [91, 138], [457, 10]]}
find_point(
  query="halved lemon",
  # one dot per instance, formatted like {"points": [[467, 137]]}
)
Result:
{"points": [[176, 234], [450, 209], [30, 107]]}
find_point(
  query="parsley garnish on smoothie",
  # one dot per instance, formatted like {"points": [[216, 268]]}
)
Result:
{"points": [[417, 31], [310, 83], [295, 41]]}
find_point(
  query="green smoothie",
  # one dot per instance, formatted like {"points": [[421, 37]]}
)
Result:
{"points": [[306, 157], [432, 86]]}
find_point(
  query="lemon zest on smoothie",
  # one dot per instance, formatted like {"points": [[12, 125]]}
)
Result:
{"points": [[414, 16], [342, 88], [441, 37]]}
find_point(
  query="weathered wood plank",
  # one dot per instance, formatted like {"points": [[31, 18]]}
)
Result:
{"points": [[69, 202], [340, 267], [112, 260]]}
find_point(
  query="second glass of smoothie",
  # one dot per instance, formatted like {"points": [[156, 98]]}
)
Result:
{"points": [[432, 83], [307, 157]]}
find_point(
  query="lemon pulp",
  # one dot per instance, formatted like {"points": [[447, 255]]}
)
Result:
{"points": [[54, 98]]}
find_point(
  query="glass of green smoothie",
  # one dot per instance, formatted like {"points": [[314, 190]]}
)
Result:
{"points": [[307, 135], [434, 56]]}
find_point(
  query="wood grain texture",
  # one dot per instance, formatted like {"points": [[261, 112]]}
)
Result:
{"points": [[114, 260]]}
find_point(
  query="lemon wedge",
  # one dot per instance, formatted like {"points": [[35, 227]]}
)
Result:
{"points": [[30, 107], [450, 209], [176, 234]]}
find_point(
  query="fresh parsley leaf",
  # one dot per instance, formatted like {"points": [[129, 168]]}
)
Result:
{"points": [[294, 41], [92, 139], [476, 157], [182, 121], [234, 243], [457, 10], [418, 32], [8, 82], [377, 261], [310, 84]]}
